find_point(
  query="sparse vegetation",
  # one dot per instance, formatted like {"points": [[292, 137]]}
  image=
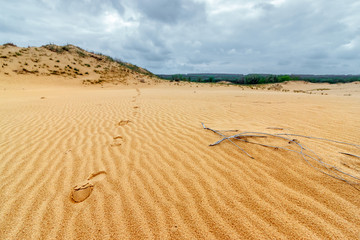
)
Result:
{"points": [[98, 81], [109, 69], [81, 53], [54, 72], [299, 91], [57, 49], [9, 45], [24, 71], [320, 89]]}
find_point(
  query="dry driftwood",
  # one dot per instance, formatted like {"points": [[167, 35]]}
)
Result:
{"points": [[307, 154], [228, 139], [324, 139], [349, 154], [275, 128]]}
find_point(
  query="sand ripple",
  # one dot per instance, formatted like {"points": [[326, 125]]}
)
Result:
{"points": [[142, 168]]}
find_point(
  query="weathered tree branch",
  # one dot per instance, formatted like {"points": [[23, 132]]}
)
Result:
{"points": [[327, 169]]}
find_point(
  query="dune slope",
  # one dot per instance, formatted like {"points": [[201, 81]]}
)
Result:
{"points": [[54, 65], [136, 163]]}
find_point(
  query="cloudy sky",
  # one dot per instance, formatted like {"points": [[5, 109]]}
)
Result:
{"points": [[193, 36]]}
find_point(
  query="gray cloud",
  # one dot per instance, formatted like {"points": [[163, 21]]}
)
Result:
{"points": [[273, 36], [170, 12]]}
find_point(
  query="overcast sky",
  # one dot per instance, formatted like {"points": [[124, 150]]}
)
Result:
{"points": [[193, 36]]}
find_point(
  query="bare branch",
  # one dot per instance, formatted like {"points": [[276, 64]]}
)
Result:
{"points": [[329, 140], [325, 168], [349, 154]]}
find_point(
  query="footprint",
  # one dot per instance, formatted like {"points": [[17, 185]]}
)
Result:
{"points": [[123, 122], [174, 228], [82, 191], [117, 141], [96, 177], [136, 107]]}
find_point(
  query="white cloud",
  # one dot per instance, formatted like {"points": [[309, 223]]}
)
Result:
{"points": [[113, 21], [277, 3]]}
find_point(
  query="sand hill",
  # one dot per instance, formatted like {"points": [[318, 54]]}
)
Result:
{"points": [[92, 149], [72, 63]]}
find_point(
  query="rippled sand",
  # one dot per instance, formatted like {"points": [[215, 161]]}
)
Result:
{"points": [[106, 163]]}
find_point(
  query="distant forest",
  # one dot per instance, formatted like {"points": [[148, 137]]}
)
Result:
{"points": [[258, 78]]}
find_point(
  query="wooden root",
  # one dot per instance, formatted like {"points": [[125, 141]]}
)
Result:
{"points": [[325, 168]]}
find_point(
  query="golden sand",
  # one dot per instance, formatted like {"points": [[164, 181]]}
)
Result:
{"points": [[84, 163], [129, 159]]}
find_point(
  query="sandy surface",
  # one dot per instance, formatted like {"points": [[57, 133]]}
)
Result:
{"points": [[139, 165]]}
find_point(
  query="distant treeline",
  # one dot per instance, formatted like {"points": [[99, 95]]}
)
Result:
{"points": [[258, 78]]}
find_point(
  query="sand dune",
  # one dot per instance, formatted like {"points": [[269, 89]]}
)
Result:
{"points": [[104, 152], [145, 168], [52, 65]]}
